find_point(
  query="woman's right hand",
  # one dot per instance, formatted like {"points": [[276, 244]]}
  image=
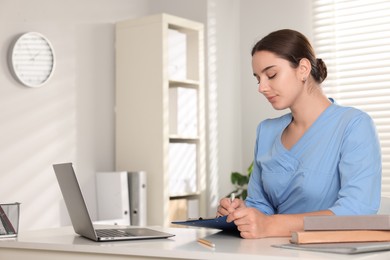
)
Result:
{"points": [[226, 206]]}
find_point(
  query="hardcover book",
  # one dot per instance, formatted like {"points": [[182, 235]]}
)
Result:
{"points": [[357, 222], [339, 236]]}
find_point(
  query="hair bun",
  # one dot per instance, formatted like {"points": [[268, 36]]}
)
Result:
{"points": [[322, 71]]}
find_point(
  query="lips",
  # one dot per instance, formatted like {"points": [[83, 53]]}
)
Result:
{"points": [[271, 99]]}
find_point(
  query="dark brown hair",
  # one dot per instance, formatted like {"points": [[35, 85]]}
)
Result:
{"points": [[292, 46]]}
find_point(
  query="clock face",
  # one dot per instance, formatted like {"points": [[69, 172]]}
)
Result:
{"points": [[32, 59]]}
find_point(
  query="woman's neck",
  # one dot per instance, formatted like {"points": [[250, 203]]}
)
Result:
{"points": [[310, 106]]}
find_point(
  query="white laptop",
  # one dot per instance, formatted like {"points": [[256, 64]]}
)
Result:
{"points": [[80, 218]]}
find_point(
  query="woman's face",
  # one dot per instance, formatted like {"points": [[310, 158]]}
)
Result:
{"points": [[277, 80]]}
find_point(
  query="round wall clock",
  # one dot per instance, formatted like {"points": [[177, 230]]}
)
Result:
{"points": [[32, 59]]}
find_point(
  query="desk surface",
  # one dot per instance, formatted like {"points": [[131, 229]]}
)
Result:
{"points": [[63, 242]]}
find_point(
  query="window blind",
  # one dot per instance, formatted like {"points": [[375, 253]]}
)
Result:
{"points": [[353, 38]]}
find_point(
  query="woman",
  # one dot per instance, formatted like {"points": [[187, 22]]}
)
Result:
{"points": [[320, 159]]}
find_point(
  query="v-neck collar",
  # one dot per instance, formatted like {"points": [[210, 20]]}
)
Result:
{"points": [[296, 147]]}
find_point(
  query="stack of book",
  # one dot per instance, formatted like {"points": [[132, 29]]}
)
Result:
{"points": [[343, 229]]}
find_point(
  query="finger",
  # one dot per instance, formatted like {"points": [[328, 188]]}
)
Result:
{"points": [[232, 217], [222, 211], [247, 235], [227, 207], [225, 202], [239, 216]]}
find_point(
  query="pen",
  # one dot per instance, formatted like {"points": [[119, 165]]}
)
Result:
{"points": [[232, 197], [206, 242]]}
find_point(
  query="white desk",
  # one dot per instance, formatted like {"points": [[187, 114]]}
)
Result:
{"points": [[62, 243]]}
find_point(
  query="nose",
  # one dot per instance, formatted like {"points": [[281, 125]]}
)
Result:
{"points": [[262, 87]]}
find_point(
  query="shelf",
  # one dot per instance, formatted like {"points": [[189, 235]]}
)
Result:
{"points": [[183, 83], [186, 196], [160, 120], [183, 139]]}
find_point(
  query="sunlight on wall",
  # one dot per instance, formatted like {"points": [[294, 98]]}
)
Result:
{"points": [[213, 195], [36, 133]]}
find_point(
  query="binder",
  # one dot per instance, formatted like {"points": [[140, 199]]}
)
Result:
{"points": [[122, 197]]}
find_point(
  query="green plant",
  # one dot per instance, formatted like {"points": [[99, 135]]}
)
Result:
{"points": [[240, 181]]}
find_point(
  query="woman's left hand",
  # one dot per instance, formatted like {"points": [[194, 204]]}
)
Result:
{"points": [[252, 223]]}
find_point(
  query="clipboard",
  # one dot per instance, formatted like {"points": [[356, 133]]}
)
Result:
{"points": [[216, 223]]}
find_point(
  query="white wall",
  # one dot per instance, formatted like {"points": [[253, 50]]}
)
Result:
{"points": [[258, 18], [224, 91], [72, 117]]}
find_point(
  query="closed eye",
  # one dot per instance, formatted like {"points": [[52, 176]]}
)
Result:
{"points": [[272, 76]]}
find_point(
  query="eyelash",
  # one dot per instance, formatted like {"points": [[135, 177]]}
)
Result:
{"points": [[273, 76], [270, 77]]}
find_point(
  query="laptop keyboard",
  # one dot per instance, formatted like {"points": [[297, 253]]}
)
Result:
{"points": [[112, 233]]}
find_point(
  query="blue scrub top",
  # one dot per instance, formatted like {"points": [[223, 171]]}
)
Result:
{"points": [[336, 165]]}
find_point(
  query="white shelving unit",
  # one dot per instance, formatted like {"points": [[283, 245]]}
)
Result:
{"points": [[160, 116]]}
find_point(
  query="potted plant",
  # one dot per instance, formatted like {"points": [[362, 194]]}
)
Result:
{"points": [[240, 181]]}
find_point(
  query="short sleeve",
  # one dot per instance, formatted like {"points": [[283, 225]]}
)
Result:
{"points": [[360, 169], [257, 198]]}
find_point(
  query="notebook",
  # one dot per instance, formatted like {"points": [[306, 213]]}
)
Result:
{"points": [[340, 248], [80, 217]]}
